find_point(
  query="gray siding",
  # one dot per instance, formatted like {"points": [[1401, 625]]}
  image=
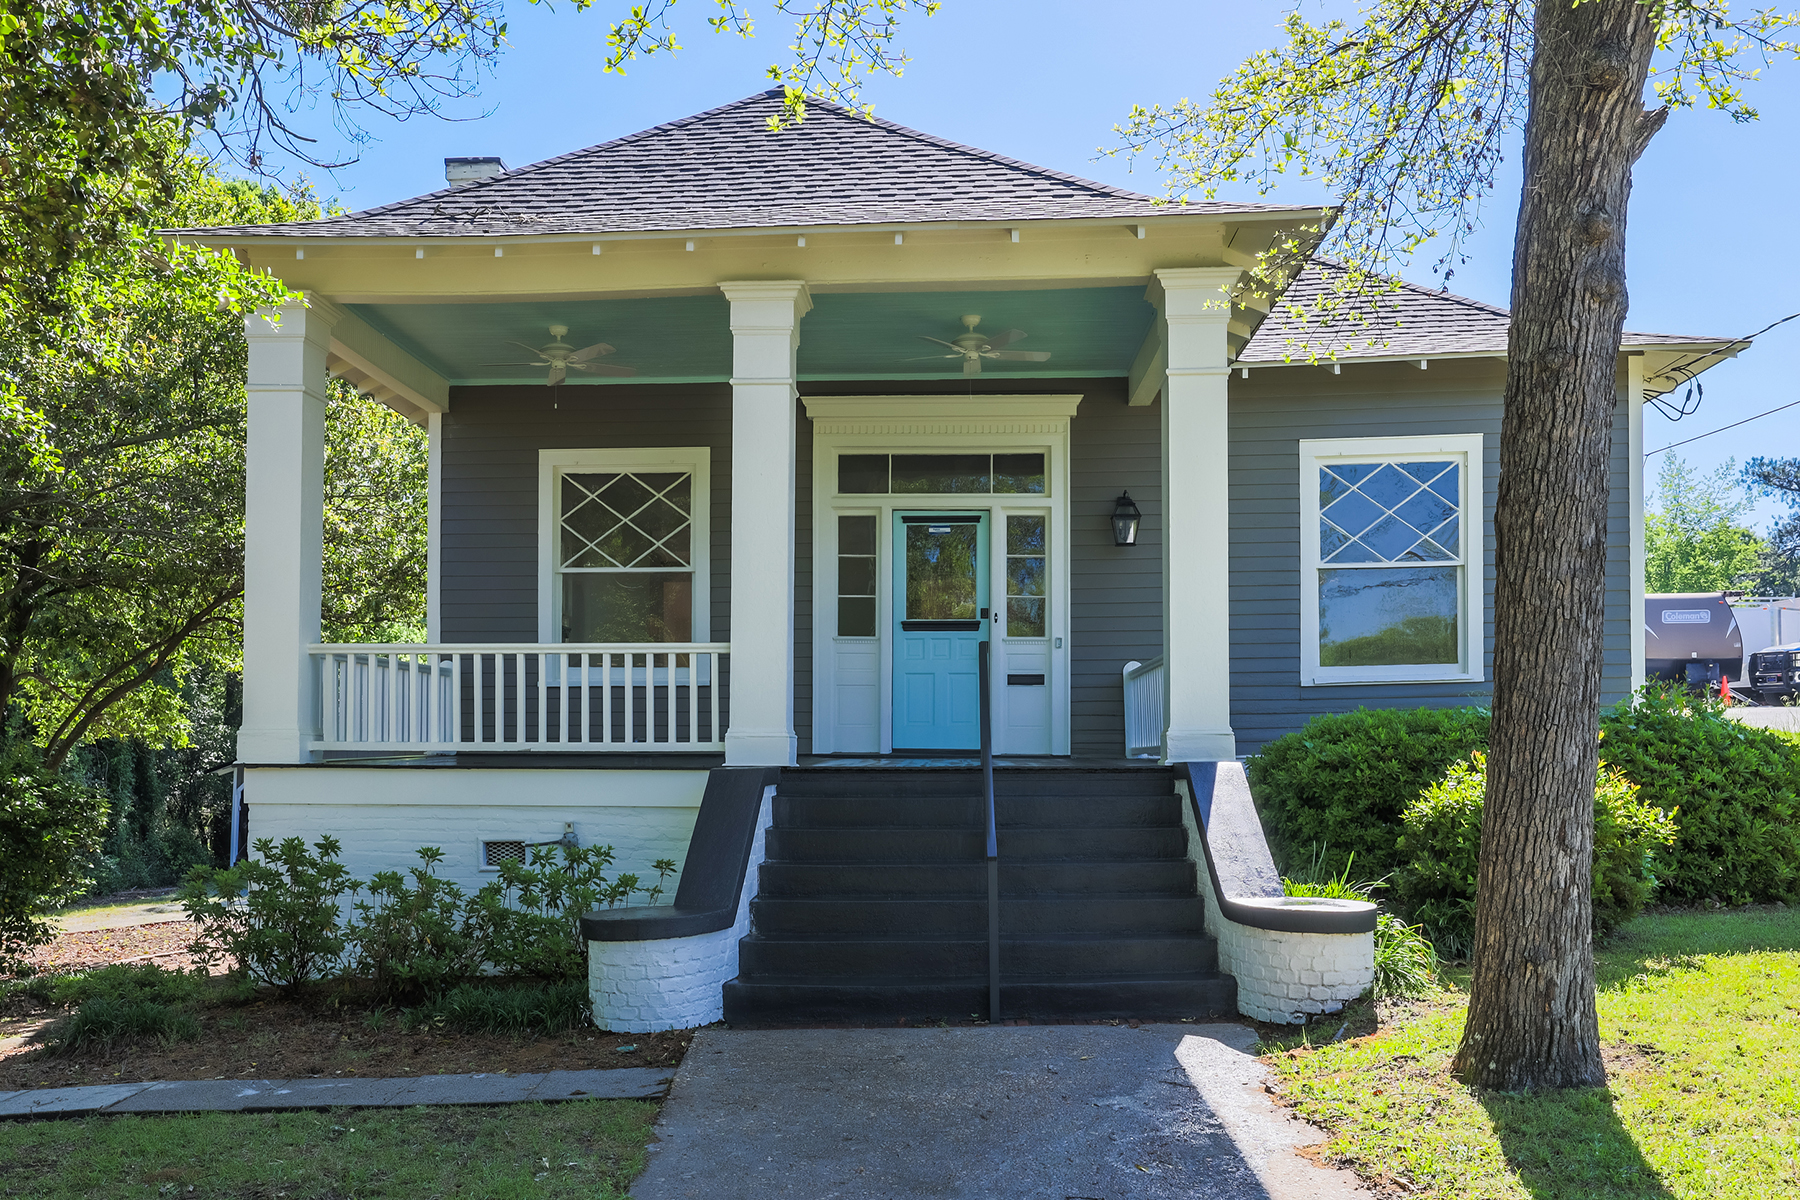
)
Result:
{"points": [[1115, 601], [492, 437], [1270, 412], [491, 440]]}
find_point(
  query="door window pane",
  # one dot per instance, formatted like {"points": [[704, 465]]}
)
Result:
{"points": [[863, 474], [941, 473], [628, 606], [1026, 577], [1019, 473], [856, 577], [940, 572], [1388, 616]]}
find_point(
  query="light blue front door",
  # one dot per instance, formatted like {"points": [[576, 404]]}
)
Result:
{"points": [[941, 616]]}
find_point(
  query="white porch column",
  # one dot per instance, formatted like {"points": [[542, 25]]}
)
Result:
{"points": [[283, 527], [434, 526], [1194, 306], [765, 332], [1634, 454]]}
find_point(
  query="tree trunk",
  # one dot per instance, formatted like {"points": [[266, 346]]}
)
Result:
{"points": [[1531, 1020]]}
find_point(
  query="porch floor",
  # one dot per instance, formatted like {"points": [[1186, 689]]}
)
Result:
{"points": [[575, 760], [958, 761]]}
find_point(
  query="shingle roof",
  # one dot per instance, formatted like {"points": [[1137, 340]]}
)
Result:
{"points": [[1412, 321], [722, 169]]}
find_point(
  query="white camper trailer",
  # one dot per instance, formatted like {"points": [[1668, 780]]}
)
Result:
{"points": [[1767, 621]]}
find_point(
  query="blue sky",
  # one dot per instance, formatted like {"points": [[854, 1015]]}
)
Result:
{"points": [[1711, 248]]}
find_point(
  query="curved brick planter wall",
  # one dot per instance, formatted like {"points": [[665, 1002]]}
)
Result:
{"points": [[1292, 957], [656, 968]]}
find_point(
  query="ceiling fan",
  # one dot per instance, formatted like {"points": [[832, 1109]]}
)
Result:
{"points": [[972, 347], [562, 358]]}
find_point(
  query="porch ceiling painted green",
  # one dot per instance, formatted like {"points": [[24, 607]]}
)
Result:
{"points": [[847, 335]]}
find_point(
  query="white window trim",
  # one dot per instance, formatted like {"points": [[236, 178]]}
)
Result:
{"points": [[1468, 447], [551, 465]]}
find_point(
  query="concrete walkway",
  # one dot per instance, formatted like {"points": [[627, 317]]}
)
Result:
{"points": [[1071, 1112], [267, 1095], [121, 916]]}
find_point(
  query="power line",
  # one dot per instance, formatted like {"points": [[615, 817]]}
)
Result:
{"points": [[1723, 428], [1684, 372]]}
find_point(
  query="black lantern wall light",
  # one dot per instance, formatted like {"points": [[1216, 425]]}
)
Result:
{"points": [[1125, 520]]}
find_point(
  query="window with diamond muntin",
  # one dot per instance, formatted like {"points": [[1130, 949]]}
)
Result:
{"points": [[625, 554], [1391, 569]]}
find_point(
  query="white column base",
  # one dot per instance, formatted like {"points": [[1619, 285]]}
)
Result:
{"points": [[760, 749], [1199, 745]]}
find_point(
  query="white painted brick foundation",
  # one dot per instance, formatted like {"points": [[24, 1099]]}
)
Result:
{"points": [[382, 815], [1282, 978], [674, 983]]}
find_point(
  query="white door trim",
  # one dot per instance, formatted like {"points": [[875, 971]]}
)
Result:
{"points": [[933, 424]]}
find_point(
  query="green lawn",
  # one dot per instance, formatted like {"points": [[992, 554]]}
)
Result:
{"points": [[591, 1149], [1698, 1020]]}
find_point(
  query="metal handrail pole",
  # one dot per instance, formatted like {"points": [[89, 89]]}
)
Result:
{"points": [[984, 654]]}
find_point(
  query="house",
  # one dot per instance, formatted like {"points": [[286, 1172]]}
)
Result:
{"points": [[743, 445]]}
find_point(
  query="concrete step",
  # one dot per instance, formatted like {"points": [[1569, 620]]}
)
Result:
{"points": [[1086, 956], [1035, 810], [837, 916], [884, 1001], [876, 844], [1158, 877], [879, 783]]}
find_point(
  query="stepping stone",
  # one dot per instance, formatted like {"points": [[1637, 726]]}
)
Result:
{"points": [[66, 1102], [620, 1083], [323, 1093], [198, 1095], [481, 1088]]}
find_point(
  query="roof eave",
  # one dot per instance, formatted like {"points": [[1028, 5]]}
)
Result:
{"points": [[227, 235]]}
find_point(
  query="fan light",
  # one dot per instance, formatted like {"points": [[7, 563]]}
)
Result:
{"points": [[1125, 520]]}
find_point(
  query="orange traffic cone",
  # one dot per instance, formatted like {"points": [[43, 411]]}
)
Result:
{"points": [[1725, 688]]}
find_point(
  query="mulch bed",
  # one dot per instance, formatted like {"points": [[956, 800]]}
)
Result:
{"points": [[271, 1038], [164, 944]]}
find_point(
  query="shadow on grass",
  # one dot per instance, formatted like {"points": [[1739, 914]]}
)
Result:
{"points": [[1571, 1146]]}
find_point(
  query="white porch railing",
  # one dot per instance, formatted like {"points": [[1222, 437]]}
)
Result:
{"points": [[1145, 695], [512, 698]]}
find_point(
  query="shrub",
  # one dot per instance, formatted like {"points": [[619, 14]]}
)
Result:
{"points": [[106, 1021], [1344, 779], [522, 1009], [413, 942], [276, 915], [533, 910], [130, 982], [50, 828], [1405, 961], [1737, 789], [1443, 846]]}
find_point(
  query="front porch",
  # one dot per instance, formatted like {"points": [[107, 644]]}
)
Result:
{"points": [[779, 612]]}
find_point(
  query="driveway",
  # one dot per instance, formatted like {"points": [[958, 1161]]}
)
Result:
{"points": [[1069, 1112]]}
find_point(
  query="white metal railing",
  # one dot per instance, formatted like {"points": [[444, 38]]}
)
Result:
{"points": [[1145, 691], [511, 698]]}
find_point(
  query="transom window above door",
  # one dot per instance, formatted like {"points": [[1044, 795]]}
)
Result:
{"points": [[941, 474], [625, 562]]}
